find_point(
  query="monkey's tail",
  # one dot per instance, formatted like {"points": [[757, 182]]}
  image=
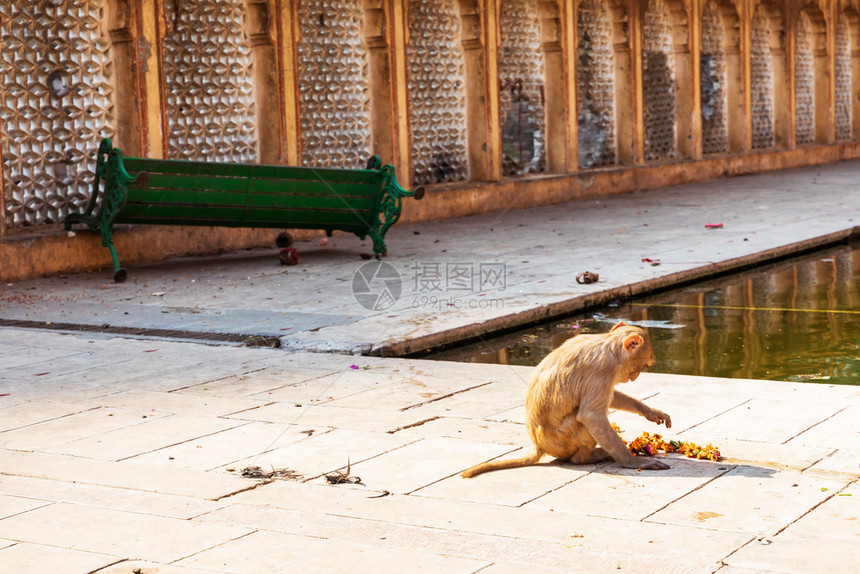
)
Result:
{"points": [[502, 464]]}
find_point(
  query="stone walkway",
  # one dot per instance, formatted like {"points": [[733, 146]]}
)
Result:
{"points": [[125, 453]]}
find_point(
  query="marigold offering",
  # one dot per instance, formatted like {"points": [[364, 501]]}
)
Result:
{"points": [[649, 445]]}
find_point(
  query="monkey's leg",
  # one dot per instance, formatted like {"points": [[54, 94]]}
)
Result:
{"points": [[598, 426], [571, 441], [589, 456]]}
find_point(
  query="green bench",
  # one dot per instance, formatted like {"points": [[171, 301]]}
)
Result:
{"points": [[172, 192]]}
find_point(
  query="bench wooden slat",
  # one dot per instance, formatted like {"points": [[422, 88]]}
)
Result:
{"points": [[207, 184], [304, 188], [154, 166], [166, 199], [285, 218]]}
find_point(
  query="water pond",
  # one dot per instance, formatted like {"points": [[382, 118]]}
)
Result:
{"points": [[794, 320]]}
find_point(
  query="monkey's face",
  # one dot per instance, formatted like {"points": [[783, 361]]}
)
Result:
{"points": [[640, 354]]}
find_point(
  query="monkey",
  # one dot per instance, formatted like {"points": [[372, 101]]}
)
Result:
{"points": [[569, 397]]}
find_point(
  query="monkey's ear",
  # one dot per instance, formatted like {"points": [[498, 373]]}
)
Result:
{"points": [[632, 342], [618, 326]]}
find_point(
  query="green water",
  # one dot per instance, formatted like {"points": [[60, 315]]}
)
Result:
{"points": [[796, 320]]}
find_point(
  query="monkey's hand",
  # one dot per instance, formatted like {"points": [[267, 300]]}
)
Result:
{"points": [[658, 416], [650, 463]]}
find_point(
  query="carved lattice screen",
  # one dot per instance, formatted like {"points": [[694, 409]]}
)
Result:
{"points": [[334, 89], [437, 96], [521, 70], [595, 85], [659, 83], [209, 89], [56, 103], [804, 83], [715, 133], [761, 66]]}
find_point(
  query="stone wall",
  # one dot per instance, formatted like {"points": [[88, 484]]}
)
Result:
{"points": [[480, 100]]}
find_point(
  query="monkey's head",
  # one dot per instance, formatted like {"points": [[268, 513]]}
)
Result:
{"points": [[635, 348]]}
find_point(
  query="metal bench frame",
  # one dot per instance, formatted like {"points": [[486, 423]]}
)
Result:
{"points": [[173, 192]]}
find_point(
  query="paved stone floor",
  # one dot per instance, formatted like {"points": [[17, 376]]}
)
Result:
{"points": [[125, 453]]}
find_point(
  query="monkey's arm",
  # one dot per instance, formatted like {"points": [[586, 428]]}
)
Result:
{"points": [[627, 403], [598, 425]]}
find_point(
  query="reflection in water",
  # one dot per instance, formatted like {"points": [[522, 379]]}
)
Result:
{"points": [[796, 320]]}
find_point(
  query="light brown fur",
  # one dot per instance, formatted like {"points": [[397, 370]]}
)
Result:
{"points": [[570, 394]]}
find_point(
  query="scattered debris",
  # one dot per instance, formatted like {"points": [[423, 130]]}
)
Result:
{"points": [[713, 226], [257, 472], [288, 254], [338, 477], [812, 377], [587, 277], [653, 262], [382, 494]]}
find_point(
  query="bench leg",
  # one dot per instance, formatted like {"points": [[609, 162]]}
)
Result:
{"points": [[119, 274], [379, 247]]}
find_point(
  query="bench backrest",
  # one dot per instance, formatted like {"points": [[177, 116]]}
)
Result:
{"points": [[238, 195]]}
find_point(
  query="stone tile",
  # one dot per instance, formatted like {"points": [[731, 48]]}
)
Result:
{"points": [[105, 531], [498, 568], [134, 566], [22, 415], [841, 431], [593, 532], [752, 453], [510, 487], [474, 430], [177, 403], [148, 436], [37, 490], [824, 540], [422, 540], [630, 494], [270, 551], [515, 415], [146, 478], [755, 419], [329, 387], [761, 500], [327, 416], [685, 410], [424, 462], [841, 461], [326, 452], [57, 369], [12, 505], [404, 392], [48, 559], [77, 426], [476, 402], [254, 383], [25, 358], [228, 446], [192, 373]]}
